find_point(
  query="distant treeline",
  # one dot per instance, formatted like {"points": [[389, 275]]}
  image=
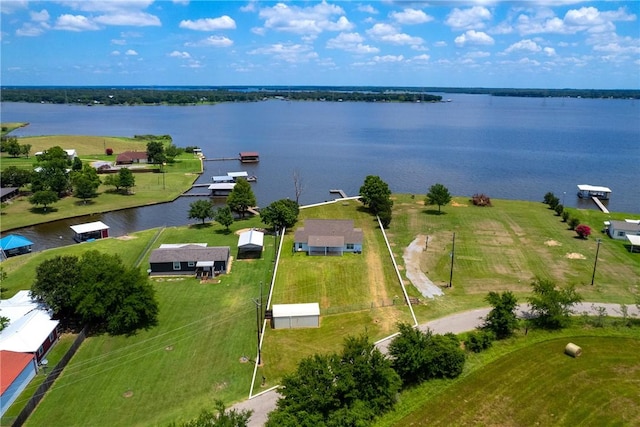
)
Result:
{"points": [[189, 95]]}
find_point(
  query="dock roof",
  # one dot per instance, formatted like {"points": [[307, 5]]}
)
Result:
{"points": [[13, 241], [89, 227], [596, 188]]}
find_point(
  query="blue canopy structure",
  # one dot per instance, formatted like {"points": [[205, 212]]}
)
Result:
{"points": [[14, 244]]}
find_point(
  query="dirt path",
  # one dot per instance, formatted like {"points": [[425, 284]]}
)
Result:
{"points": [[411, 257]]}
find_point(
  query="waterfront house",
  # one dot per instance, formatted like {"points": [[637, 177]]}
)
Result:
{"points": [[189, 259], [328, 237], [619, 230], [131, 157], [14, 244], [30, 329]]}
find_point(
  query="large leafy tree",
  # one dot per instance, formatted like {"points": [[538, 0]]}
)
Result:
{"points": [[281, 213], [126, 180], [550, 305], [44, 198], [224, 216], [85, 182], [241, 197], [418, 356], [97, 289], [438, 195], [350, 388], [13, 176], [201, 209], [374, 192], [502, 320], [223, 418], [155, 152]]}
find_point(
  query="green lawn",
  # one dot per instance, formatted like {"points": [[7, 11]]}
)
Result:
{"points": [[530, 381], [174, 370]]}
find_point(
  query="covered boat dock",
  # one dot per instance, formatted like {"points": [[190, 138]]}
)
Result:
{"points": [[90, 231]]}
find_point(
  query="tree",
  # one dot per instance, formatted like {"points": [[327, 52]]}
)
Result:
{"points": [[126, 180], [298, 184], [171, 152], [350, 388], [438, 195], [241, 197], [385, 212], [44, 198], [583, 231], [76, 164], [224, 216], [549, 197], [85, 182], [281, 213], [502, 320], [25, 150], [418, 356], [201, 209], [12, 147], [97, 289], [565, 215], [155, 152], [223, 418], [375, 193], [573, 223], [13, 176], [559, 209], [551, 306]]}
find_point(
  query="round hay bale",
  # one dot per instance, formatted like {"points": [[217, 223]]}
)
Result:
{"points": [[573, 350]]}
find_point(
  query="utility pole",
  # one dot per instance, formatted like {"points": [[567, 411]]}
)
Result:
{"points": [[453, 249], [257, 303], [593, 276]]}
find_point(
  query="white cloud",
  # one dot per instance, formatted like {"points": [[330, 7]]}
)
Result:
{"points": [[473, 18], [135, 19], [411, 16], [131, 52], [367, 9], [178, 54], [69, 22], [389, 34], [9, 7], [210, 24], [30, 30], [389, 58], [524, 45], [213, 41], [475, 38], [549, 51], [192, 64], [305, 20], [42, 16], [421, 58], [351, 42], [118, 42], [287, 52], [440, 43], [575, 20], [115, 53]]}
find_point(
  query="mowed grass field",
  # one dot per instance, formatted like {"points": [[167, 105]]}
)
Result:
{"points": [[150, 187], [505, 247], [356, 293], [173, 371], [536, 385]]}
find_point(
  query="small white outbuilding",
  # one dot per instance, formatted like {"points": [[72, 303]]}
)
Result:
{"points": [[251, 241], [289, 316]]}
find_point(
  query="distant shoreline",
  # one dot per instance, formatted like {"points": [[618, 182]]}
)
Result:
{"points": [[197, 95]]}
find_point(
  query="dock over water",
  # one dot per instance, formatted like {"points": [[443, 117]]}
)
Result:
{"points": [[600, 205], [340, 192]]}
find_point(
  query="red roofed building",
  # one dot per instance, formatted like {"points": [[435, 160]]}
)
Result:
{"points": [[17, 371], [131, 157]]}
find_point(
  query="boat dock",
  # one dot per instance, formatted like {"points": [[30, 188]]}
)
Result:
{"points": [[220, 159], [340, 192], [600, 205]]}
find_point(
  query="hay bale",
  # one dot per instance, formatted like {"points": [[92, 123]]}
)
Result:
{"points": [[573, 350]]}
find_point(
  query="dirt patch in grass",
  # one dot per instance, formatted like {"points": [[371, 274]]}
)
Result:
{"points": [[126, 237], [575, 255], [127, 394], [239, 232], [376, 277], [552, 243], [459, 205]]}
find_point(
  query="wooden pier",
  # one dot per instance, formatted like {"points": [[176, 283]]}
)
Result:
{"points": [[220, 159], [340, 192], [600, 205]]}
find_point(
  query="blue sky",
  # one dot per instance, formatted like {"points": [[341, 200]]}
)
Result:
{"points": [[483, 43]]}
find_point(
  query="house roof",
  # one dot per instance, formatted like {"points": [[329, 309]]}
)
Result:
{"points": [[251, 239], [290, 310], [89, 226], [5, 191], [29, 323], [129, 156], [316, 232], [13, 241], [190, 253], [627, 226], [13, 363], [634, 240]]}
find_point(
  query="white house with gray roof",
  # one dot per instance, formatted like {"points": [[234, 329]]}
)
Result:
{"points": [[328, 237]]}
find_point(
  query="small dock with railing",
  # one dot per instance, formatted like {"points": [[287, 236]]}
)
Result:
{"points": [[596, 193]]}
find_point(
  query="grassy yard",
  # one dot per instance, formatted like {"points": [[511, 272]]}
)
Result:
{"points": [[504, 247], [528, 380], [174, 370]]}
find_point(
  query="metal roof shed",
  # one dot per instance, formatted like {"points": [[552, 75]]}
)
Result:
{"points": [[251, 240], [289, 316], [89, 231]]}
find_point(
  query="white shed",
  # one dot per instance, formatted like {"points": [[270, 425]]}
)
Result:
{"points": [[251, 241], [289, 316]]}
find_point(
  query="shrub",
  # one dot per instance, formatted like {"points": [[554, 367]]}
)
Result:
{"points": [[559, 209], [573, 223], [548, 197], [583, 231], [565, 216], [478, 341], [108, 151]]}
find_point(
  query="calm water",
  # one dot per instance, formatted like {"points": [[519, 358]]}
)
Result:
{"points": [[513, 148]]}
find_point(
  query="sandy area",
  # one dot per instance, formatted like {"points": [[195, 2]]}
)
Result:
{"points": [[575, 255], [411, 257], [552, 243]]}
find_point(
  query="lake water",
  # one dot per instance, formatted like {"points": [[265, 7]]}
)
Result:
{"points": [[511, 148]]}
